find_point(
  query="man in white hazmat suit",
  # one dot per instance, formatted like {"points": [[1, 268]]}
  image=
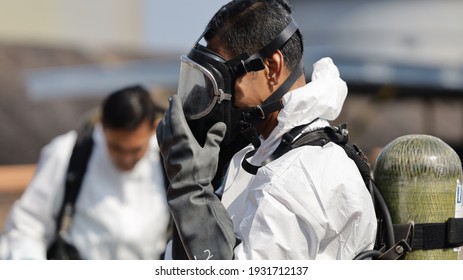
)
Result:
{"points": [[309, 203], [121, 210]]}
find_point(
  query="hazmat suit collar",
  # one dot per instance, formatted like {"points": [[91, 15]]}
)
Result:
{"points": [[322, 99]]}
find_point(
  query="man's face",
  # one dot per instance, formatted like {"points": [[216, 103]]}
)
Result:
{"points": [[251, 89], [125, 147]]}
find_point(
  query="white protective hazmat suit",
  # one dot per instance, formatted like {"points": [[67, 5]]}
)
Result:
{"points": [[119, 215], [311, 203]]}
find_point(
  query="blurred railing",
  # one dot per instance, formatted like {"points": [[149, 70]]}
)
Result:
{"points": [[13, 181]]}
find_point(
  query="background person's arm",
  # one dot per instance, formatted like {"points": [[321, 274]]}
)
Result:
{"points": [[30, 226]]}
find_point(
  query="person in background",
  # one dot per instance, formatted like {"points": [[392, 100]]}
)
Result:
{"points": [[120, 210], [306, 203]]}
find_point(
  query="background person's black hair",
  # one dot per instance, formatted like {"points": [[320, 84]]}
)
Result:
{"points": [[127, 108]]}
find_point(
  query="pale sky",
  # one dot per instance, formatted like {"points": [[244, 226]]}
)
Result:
{"points": [[176, 24]]}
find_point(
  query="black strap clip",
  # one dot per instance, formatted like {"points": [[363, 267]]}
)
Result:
{"points": [[404, 233]]}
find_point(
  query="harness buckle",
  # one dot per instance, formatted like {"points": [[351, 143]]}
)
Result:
{"points": [[261, 111]]}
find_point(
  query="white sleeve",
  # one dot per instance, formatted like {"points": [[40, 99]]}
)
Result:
{"points": [[280, 228], [31, 222]]}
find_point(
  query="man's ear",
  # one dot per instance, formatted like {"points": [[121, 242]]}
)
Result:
{"points": [[275, 65]]}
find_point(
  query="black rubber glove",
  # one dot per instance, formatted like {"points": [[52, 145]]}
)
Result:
{"points": [[203, 223]]}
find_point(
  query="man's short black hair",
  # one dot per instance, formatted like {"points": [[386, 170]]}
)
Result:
{"points": [[128, 108], [249, 25]]}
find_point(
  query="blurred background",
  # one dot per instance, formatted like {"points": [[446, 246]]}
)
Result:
{"points": [[402, 61]]}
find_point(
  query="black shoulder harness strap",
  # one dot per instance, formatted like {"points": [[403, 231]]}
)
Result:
{"points": [[393, 240], [74, 176], [295, 138], [81, 153]]}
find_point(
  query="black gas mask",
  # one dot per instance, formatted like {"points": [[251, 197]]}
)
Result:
{"points": [[207, 87]]}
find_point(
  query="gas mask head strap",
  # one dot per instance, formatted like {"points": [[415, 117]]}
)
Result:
{"points": [[244, 63], [273, 102]]}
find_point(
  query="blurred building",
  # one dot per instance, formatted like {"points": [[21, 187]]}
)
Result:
{"points": [[402, 61], [100, 24], [106, 24]]}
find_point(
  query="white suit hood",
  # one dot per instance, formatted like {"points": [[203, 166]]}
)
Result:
{"points": [[322, 98]]}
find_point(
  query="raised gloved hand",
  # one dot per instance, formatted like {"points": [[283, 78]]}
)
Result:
{"points": [[203, 223]]}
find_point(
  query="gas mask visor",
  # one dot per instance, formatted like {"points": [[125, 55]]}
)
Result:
{"points": [[200, 87]]}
